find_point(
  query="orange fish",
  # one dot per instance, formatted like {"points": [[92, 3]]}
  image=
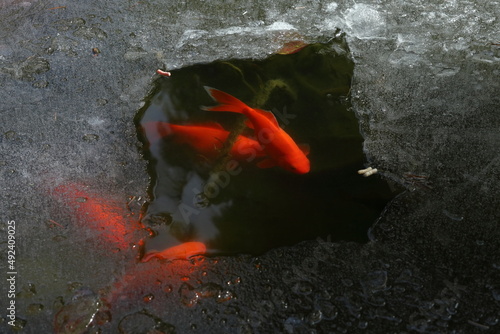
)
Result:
{"points": [[281, 149], [207, 139], [182, 251]]}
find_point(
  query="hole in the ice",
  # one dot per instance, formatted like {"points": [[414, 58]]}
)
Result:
{"points": [[205, 191]]}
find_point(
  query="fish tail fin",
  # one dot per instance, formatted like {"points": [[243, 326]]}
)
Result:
{"points": [[227, 102]]}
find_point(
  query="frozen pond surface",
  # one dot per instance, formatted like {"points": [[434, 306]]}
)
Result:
{"points": [[72, 76]]}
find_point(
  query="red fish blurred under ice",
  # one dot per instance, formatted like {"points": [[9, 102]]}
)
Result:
{"points": [[182, 251], [206, 139], [104, 220], [98, 215], [279, 146]]}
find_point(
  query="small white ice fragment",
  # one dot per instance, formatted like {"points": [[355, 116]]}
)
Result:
{"points": [[280, 25], [368, 171]]}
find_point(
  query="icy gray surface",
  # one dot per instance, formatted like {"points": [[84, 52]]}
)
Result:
{"points": [[426, 90]]}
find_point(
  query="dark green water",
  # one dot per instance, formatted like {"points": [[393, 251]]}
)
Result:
{"points": [[251, 210]]}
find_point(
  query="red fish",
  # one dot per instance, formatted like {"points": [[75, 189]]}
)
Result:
{"points": [[182, 251], [207, 139], [106, 218], [279, 146]]}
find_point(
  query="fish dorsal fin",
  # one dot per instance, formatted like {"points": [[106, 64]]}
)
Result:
{"points": [[227, 102], [222, 97], [269, 115], [305, 148]]}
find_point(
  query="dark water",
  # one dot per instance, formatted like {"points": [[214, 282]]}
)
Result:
{"points": [[243, 208]]}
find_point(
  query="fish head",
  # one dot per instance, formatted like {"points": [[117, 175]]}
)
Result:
{"points": [[298, 164]]}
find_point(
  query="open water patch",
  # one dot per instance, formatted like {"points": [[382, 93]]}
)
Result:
{"points": [[203, 190]]}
